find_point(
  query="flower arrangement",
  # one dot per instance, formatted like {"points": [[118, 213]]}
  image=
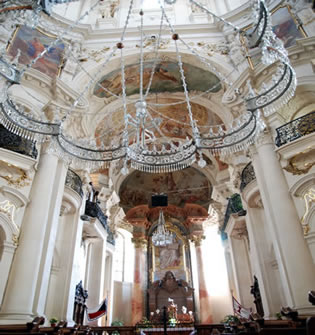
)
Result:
{"points": [[231, 320]]}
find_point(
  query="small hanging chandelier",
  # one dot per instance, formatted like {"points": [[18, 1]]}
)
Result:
{"points": [[162, 237]]}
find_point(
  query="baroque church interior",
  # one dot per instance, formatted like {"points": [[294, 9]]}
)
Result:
{"points": [[158, 159]]}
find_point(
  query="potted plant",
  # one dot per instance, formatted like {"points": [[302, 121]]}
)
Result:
{"points": [[117, 323], [53, 321], [231, 322]]}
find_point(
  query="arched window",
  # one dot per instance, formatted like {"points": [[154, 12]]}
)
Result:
{"points": [[123, 257], [119, 257]]}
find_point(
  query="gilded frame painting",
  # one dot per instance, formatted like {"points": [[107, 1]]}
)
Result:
{"points": [[26, 44], [174, 257], [285, 26]]}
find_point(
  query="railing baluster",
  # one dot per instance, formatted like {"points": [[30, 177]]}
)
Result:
{"points": [[295, 129]]}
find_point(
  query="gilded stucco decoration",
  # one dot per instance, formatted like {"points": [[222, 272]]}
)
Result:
{"points": [[309, 199], [8, 209], [140, 242], [302, 162], [14, 175]]}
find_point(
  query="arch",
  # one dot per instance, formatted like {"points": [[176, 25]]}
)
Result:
{"points": [[10, 230], [15, 196], [303, 185]]}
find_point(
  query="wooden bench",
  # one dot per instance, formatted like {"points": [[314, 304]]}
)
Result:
{"points": [[28, 328]]}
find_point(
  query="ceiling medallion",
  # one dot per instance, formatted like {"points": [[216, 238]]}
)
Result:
{"points": [[143, 145]]}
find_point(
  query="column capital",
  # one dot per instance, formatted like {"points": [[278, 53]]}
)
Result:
{"points": [[140, 242], [197, 239], [264, 138]]}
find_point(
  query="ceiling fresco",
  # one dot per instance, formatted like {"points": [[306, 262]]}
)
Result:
{"points": [[182, 187], [166, 79], [174, 120]]}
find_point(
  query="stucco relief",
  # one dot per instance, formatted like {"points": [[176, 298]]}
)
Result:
{"points": [[301, 163], [14, 175]]}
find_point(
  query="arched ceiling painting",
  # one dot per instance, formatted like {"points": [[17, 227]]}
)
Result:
{"points": [[174, 119], [166, 79], [185, 186]]}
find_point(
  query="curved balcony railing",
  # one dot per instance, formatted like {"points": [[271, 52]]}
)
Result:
{"points": [[93, 210], [247, 176], [234, 206], [295, 129], [74, 182], [17, 144]]}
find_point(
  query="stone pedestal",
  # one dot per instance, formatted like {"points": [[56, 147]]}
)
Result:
{"points": [[27, 285]]}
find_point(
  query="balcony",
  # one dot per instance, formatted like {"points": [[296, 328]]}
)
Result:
{"points": [[17, 144], [92, 209], [295, 129], [74, 182], [234, 206], [247, 176]]}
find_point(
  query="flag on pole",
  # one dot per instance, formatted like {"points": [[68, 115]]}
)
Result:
{"points": [[240, 310], [95, 313]]}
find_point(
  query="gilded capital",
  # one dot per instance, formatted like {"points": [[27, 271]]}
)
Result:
{"points": [[197, 239], [140, 242]]}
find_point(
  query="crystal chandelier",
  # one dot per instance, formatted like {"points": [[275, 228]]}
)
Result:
{"points": [[161, 236], [143, 145]]}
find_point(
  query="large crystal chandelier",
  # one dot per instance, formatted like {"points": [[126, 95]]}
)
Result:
{"points": [[161, 236], [143, 145]]}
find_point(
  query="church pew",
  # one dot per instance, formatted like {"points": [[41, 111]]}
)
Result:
{"points": [[123, 330], [208, 328], [310, 325], [27, 328], [282, 331]]}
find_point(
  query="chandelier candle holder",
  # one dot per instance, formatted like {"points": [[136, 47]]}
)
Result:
{"points": [[161, 237], [142, 144]]}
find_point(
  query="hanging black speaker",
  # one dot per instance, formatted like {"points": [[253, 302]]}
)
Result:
{"points": [[159, 200]]}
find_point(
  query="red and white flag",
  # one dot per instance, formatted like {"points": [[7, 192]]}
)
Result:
{"points": [[240, 310], [97, 312]]}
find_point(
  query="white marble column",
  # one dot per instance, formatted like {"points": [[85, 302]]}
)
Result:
{"points": [[140, 275], [68, 244], [96, 270], [238, 245], [205, 309], [295, 263], [109, 285], [8, 249], [260, 246], [27, 285]]}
